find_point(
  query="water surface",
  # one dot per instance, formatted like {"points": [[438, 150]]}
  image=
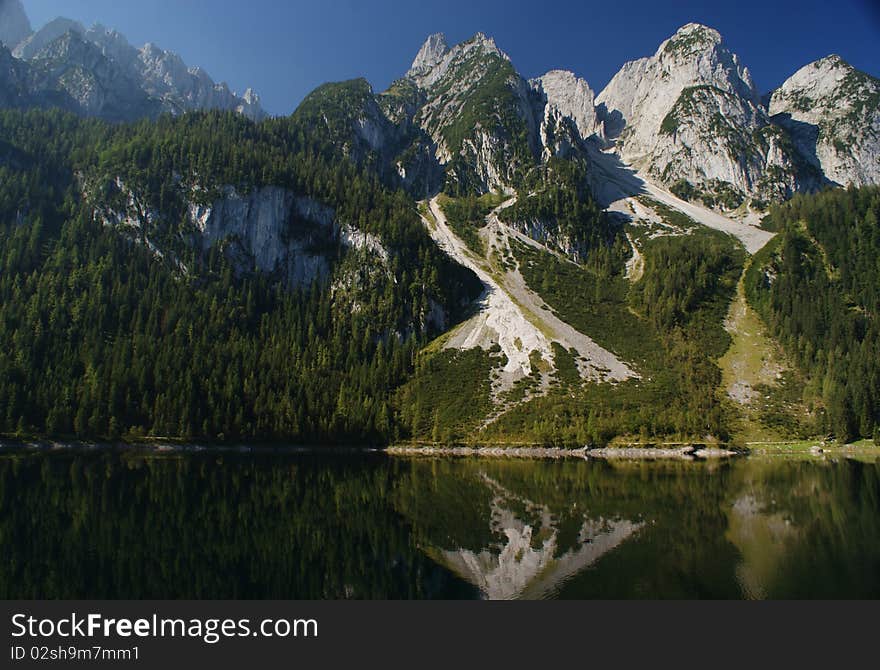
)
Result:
{"points": [[116, 524]]}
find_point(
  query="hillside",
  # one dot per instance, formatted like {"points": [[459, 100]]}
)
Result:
{"points": [[468, 256]]}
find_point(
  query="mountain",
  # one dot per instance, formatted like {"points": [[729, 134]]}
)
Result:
{"points": [[832, 112], [462, 118], [476, 112], [97, 85], [14, 23], [690, 117], [490, 127], [468, 256], [100, 74]]}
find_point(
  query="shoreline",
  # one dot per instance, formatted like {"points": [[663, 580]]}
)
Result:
{"points": [[687, 452], [634, 451]]}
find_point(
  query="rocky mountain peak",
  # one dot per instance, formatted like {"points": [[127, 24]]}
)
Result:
{"points": [[568, 96], [819, 78], [486, 44], [147, 73], [640, 95], [14, 23], [429, 55], [832, 112], [56, 28], [691, 38], [436, 58], [689, 116]]}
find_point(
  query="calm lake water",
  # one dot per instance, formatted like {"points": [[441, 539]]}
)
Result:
{"points": [[113, 524]]}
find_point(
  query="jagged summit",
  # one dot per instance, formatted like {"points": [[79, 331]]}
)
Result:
{"points": [[486, 42], [429, 55], [694, 36], [116, 70], [690, 116], [435, 56], [14, 23]]}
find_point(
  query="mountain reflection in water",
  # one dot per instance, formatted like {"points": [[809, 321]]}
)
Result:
{"points": [[530, 563], [126, 524]]}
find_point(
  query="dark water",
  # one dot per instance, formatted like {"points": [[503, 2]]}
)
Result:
{"points": [[111, 524]]}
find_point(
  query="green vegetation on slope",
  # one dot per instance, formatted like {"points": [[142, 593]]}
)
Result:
{"points": [[668, 325], [449, 394], [467, 215], [478, 95], [489, 104], [567, 217], [817, 286], [767, 394], [103, 339]]}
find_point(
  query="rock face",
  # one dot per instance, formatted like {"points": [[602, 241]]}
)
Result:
{"points": [[724, 148], [690, 117], [429, 55], [832, 112], [108, 77], [564, 98], [41, 39], [97, 85], [269, 230], [14, 23]]}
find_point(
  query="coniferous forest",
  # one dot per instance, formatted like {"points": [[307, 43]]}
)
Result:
{"points": [[817, 286], [106, 339]]}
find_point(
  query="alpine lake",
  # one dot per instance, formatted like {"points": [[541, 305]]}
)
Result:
{"points": [[199, 523]]}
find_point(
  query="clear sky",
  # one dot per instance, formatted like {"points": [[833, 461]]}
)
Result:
{"points": [[285, 48]]}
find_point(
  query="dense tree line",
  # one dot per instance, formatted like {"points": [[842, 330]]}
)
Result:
{"points": [[104, 339], [817, 285]]}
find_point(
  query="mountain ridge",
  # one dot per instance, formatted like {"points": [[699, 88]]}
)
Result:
{"points": [[468, 255], [689, 117], [150, 72]]}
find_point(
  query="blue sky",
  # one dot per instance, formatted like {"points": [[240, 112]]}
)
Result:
{"points": [[285, 48]]}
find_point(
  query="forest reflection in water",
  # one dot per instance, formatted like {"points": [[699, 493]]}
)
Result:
{"points": [[124, 524]]}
